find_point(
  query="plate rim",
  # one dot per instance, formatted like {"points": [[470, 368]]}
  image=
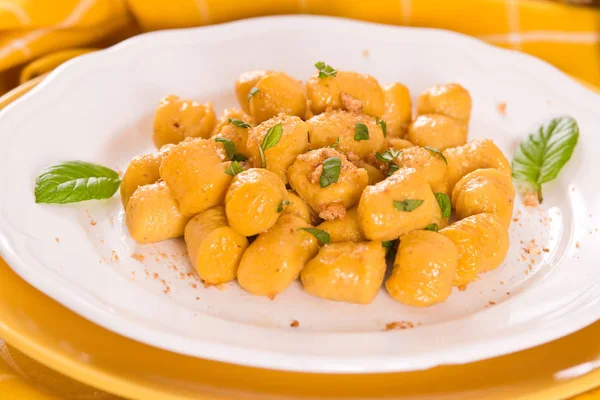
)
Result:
{"points": [[64, 295]]}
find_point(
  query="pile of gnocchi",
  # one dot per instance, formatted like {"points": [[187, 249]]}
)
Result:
{"points": [[323, 181]]}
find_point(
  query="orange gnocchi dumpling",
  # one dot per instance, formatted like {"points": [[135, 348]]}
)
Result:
{"points": [[359, 93], [482, 242], [479, 153], [424, 269], [152, 214], [356, 135], [176, 119], [213, 247], [402, 203], [283, 138], [195, 172], [276, 93], [327, 181], [344, 229], [350, 272], [245, 83], [451, 100], [274, 260], [398, 110], [437, 131], [428, 164], [253, 200], [296, 206], [485, 190]]}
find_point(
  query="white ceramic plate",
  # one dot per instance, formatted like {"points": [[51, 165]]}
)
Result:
{"points": [[99, 108]]}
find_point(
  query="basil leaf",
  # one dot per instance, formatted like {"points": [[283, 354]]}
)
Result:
{"points": [[234, 168], [325, 70], [239, 157], [388, 244], [228, 145], [238, 122], [540, 157], [321, 236], [383, 126], [388, 155], [283, 203], [391, 246], [75, 181], [263, 159], [407, 205], [361, 132], [331, 171], [337, 142], [432, 227], [444, 202], [437, 153], [393, 168], [252, 92], [272, 137]]}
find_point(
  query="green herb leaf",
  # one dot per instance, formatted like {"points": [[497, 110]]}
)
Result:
{"points": [[407, 205], [234, 168], [388, 155], [444, 202], [437, 153], [383, 126], [283, 203], [75, 181], [540, 157], [337, 142], [272, 137], [228, 145], [389, 244], [325, 70], [393, 168], [263, 159], [239, 122], [252, 92], [432, 227], [361, 132], [331, 171], [322, 236], [239, 157]]}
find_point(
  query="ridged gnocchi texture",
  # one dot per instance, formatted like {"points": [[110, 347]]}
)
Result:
{"points": [[424, 269], [277, 93], [244, 84], [485, 190], [142, 170], [326, 93], [451, 100], [253, 199], [480, 153], [152, 214], [437, 131], [343, 229], [176, 119], [293, 142], [213, 247], [482, 242], [195, 173], [332, 201], [378, 210], [325, 129], [427, 164], [274, 260], [398, 110], [349, 272]]}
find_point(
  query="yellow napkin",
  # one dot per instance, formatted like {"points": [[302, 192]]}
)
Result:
{"points": [[38, 35]]}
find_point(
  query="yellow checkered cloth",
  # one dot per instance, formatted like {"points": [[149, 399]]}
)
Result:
{"points": [[38, 35]]}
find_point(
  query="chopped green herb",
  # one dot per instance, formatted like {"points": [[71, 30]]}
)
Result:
{"points": [[432, 227], [393, 168], [541, 155], [361, 132], [228, 145], [334, 145], [234, 168], [331, 171], [252, 92], [325, 70], [238, 122], [407, 205], [388, 155], [383, 126], [436, 152], [239, 157], [444, 203], [283, 203], [321, 236], [270, 140]]}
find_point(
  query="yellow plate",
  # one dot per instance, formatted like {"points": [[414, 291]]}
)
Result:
{"points": [[44, 330]]}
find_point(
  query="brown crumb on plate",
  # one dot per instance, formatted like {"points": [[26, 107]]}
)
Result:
{"points": [[365, 53], [399, 325], [577, 245], [501, 107], [462, 288], [530, 200], [137, 257], [295, 324], [57, 240]]}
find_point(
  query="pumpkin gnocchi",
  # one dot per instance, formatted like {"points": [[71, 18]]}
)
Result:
{"points": [[323, 181]]}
